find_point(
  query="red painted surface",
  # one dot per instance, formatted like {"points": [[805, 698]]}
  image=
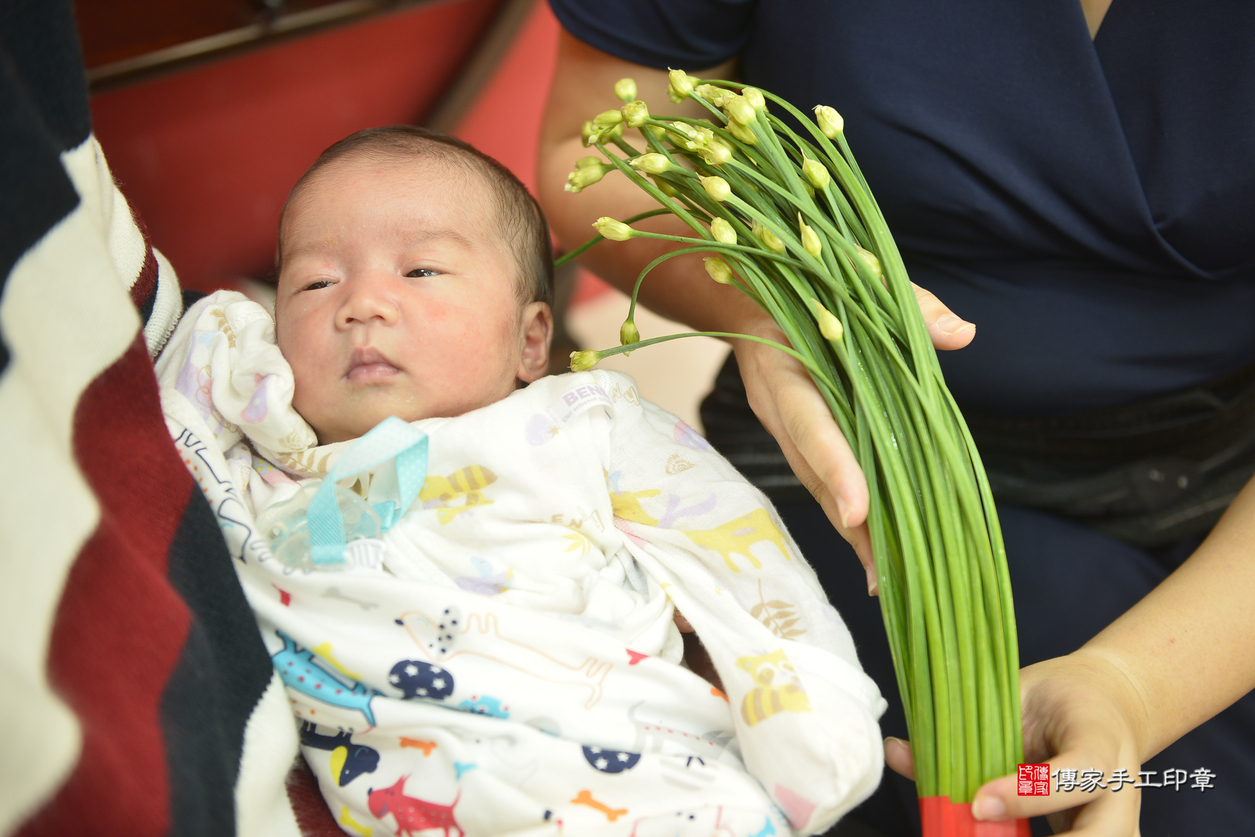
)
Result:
{"points": [[207, 155], [505, 120]]}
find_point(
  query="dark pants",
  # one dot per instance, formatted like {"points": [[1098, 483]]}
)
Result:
{"points": [[1070, 582]]}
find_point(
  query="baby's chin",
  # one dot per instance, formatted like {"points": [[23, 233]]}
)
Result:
{"points": [[366, 416], [329, 434]]}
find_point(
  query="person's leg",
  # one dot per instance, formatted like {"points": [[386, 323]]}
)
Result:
{"points": [[1070, 583]]}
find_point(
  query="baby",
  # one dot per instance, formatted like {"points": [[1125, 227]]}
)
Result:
{"points": [[477, 628]]}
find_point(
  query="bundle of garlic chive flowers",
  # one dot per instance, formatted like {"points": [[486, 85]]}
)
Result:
{"points": [[788, 219]]}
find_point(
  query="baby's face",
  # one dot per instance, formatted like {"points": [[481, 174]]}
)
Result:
{"points": [[397, 298]]}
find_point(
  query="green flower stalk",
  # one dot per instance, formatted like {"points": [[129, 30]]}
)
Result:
{"points": [[780, 211]]}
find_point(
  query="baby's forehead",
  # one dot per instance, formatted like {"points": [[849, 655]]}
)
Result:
{"points": [[467, 189]]}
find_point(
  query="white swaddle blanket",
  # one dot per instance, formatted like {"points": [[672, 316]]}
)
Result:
{"points": [[503, 659]]}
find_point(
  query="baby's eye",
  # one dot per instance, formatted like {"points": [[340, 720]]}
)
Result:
{"points": [[421, 272], [313, 286]]}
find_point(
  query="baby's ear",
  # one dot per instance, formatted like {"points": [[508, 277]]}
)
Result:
{"points": [[535, 333]]}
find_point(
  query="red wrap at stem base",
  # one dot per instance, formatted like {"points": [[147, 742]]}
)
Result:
{"points": [[943, 818]]}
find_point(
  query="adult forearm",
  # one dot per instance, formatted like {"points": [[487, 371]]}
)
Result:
{"points": [[1188, 648]]}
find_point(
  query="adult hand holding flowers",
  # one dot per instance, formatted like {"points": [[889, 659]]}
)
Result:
{"points": [[788, 220], [1077, 713], [780, 392], [790, 407], [1178, 657]]}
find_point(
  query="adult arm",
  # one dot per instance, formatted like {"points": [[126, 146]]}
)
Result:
{"points": [[779, 390], [1177, 658]]}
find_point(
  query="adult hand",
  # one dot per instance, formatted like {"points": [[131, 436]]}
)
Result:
{"points": [[790, 407], [1083, 711]]}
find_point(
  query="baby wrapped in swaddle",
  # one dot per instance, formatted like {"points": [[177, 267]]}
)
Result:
{"points": [[477, 628]]}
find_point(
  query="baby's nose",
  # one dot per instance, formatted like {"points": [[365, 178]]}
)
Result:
{"points": [[369, 298]]}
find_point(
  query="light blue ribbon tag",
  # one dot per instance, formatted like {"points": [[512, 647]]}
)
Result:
{"points": [[391, 439]]}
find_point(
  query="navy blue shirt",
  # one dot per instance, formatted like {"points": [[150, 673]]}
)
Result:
{"points": [[1089, 204]]}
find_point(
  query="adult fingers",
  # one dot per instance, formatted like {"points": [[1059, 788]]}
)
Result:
{"points": [[947, 329], [1079, 723], [791, 408], [898, 757], [1102, 813]]}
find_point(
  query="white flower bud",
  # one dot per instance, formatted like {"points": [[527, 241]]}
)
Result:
{"points": [[767, 237], [652, 163], [635, 113], [739, 110], [583, 361], [722, 231], [607, 118], [872, 261], [613, 230], [603, 133], [755, 97], [816, 173], [718, 270], [717, 96], [830, 122], [587, 133], [585, 176], [742, 132], [664, 187], [625, 89], [717, 188], [829, 326], [679, 85], [684, 129], [810, 240], [716, 153]]}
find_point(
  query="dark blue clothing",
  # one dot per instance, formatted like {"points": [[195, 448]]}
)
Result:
{"points": [[1087, 203]]}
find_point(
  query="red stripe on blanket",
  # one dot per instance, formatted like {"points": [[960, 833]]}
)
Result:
{"points": [[120, 626], [144, 291]]}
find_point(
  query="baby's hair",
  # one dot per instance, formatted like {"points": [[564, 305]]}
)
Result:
{"points": [[522, 222]]}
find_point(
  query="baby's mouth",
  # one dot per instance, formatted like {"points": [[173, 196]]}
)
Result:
{"points": [[367, 366]]}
